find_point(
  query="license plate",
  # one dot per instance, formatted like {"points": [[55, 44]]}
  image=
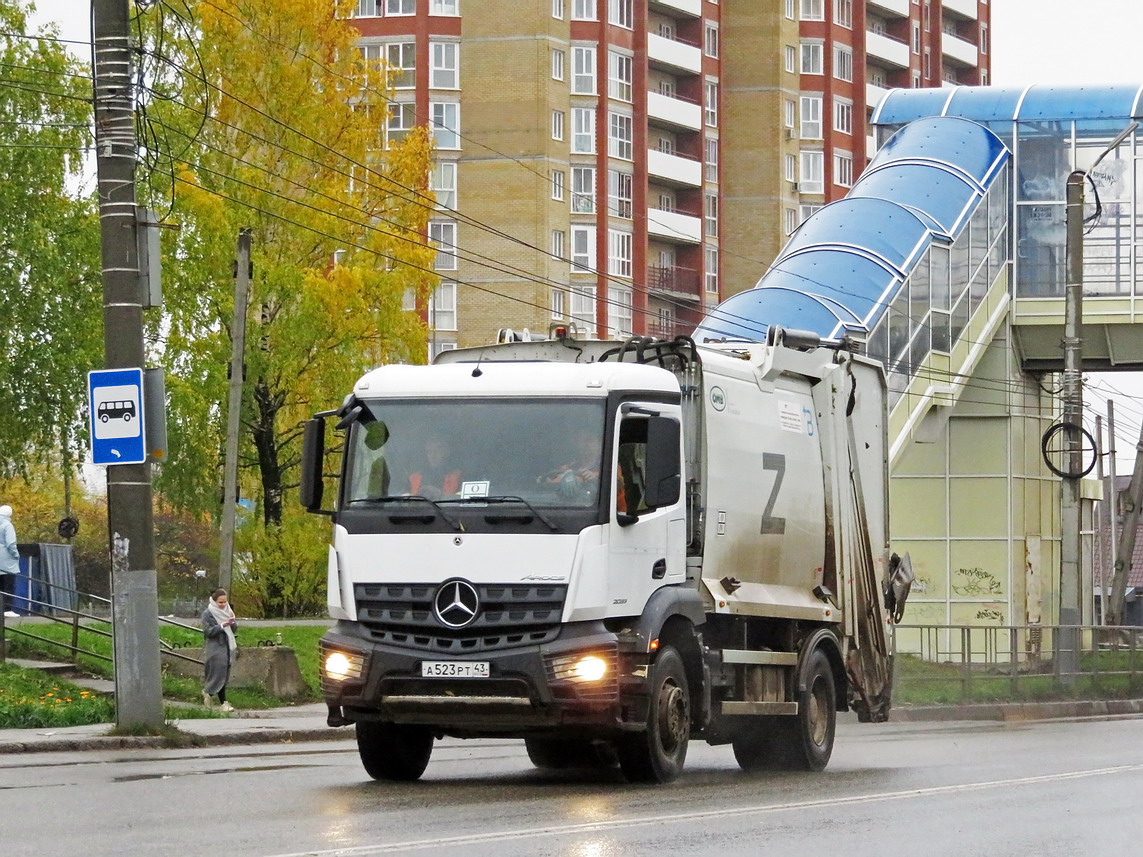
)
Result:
{"points": [[454, 669]]}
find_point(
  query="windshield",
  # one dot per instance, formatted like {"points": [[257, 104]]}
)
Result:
{"points": [[545, 452]]}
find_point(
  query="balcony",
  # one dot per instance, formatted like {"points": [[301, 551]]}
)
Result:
{"points": [[674, 170], [689, 8], [674, 112], [670, 329], [964, 8], [887, 50], [896, 8], [874, 94], [675, 282], [673, 55], [958, 50], [674, 227]]}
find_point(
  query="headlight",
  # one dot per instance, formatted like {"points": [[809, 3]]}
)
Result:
{"points": [[590, 668], [582, 667], [340, 666]]}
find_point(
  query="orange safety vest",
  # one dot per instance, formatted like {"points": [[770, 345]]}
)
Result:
{"points": [[450, 483]]}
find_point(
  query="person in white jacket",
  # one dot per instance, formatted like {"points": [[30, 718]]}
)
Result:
{"points": [[9, 553]]}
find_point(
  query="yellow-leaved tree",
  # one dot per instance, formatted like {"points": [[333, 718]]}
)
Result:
{"points": [[263, 115]]}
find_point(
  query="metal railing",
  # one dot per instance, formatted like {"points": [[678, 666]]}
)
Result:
{"points": [[1016, 662]]}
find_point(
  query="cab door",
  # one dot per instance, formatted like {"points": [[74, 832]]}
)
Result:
{"points": [[647, 528]]}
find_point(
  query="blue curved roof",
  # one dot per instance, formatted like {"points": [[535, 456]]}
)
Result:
{"points": [[991, 104], [845, 264]]}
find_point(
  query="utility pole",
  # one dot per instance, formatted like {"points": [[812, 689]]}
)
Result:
{"points": [[138, 691], [1067, 655], [1112, 506], [234, 408]]}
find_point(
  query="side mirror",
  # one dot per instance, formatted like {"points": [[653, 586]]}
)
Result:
{"points": [[312, 488], [663, 474]]}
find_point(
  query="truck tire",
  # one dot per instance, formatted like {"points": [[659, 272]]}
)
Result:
{"points": [[656, 755], [392, 751], [806, 741], [754, 748], [556, 753]]}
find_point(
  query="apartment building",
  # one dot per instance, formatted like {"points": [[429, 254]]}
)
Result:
{"points": [[622, 165]]}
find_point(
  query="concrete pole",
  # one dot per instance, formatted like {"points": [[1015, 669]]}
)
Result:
{"points": [[1070, 545], [234, 409], [138, 688], [1112, 502], [1098, 525]]}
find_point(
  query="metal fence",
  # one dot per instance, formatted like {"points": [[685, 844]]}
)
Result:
{"points": [[959, 663]]}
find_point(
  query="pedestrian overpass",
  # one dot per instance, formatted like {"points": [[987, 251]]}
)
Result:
{"points": [[948, 256]]}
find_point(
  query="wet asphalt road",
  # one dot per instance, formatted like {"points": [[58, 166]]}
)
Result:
{"points": [[1045, 788]]}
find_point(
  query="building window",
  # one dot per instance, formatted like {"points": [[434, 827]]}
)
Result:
{"points": [[583, 190], [843, 170], [710, 269], [791, 220], [557, 124], [401, 58], [711, 40], [813, 10], [558, 247], [584, 10], [619, 253], [620, 194], [710, 214], [583, 71], [710, 159], [402, 118], [791, 113], [811, 117], [916, 37], [444, 71], [367, 9], [620, 73], [843, 117], [620, 137], [582, 249], [621, 14], [811, 58], [557, 184], [843, 13], [583, 309], [926, 67], [443, 234], [805, 212], [843, 62], [916, 80], [444, 7], [984, 38], [811, 172], [558, 9], [446, 124], [711, 104], [557, 303], [583, 130], [442, 182], [791, 9], [400, 7], [791, 168], [619, 312], [557, 65], [442, 307]]}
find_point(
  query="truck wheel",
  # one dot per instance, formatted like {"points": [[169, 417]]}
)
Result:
{"points": [[393, 751], [554, 753], [656, 755], [754, 749], [809, 735]]}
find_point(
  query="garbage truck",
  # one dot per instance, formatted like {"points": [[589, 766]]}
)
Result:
{"points": [[631, 545]]}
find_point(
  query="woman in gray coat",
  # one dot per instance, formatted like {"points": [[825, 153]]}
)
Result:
{"points": [[219, 648]]}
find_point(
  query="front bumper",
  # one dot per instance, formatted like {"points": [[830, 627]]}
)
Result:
{"points": [[529, 689]]}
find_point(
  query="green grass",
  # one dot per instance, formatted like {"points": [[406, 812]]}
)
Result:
{"points": [[30, 699], [302, 638]]}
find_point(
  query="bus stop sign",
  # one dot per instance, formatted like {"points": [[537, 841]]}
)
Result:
{"points": [[115, 398]]}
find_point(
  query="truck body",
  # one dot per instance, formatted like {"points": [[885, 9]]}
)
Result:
{"points": [[719, 571]]}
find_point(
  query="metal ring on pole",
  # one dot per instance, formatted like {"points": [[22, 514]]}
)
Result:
{"points": [[1046, 440]]}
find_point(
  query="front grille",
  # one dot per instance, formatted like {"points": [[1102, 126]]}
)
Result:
{"points": [[401, 614]]}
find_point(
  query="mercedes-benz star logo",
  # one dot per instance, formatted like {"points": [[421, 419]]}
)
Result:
{"points": [[456, 603]]}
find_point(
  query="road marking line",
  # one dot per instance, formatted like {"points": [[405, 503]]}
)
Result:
{"points": [[675, 818]]}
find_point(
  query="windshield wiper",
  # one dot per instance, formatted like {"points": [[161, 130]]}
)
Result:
{"points": [[419, 498], [508, 498]]}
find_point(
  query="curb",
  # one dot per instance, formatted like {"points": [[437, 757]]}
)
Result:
{"points": [[157, 742], [1017, 712]]}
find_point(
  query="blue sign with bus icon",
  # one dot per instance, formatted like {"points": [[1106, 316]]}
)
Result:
{"points": [[115, 397]]}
